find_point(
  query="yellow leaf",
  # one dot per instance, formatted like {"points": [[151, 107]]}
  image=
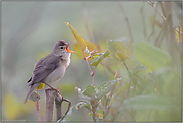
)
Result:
{"points": [[178, 32], [81, 43], [119, 50], [121, 56], [41, 86], [78, 38]]}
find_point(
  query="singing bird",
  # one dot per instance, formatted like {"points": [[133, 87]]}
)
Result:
{"points": [[52, 67]]}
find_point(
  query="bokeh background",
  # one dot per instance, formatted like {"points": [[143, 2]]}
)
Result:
{"points": [[30, 29]]}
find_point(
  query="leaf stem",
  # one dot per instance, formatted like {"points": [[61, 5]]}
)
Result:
{"points": [[126, 65], [88, 65]]}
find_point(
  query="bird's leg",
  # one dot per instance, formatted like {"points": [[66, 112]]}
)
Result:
{"points": [[37, 105], [51, 86], [37, 94]]}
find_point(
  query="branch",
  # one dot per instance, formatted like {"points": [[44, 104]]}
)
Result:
{"points": [[156, 10], [86, 59], [61, 99], [88, 66], [58, 105], [50, 97]]}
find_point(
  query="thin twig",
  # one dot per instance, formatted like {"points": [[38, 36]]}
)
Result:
{"points": [[90, 54], [153, 25], [86, 59], [126, 18], [126, 65], [67, 108], [143, 21], [161, 39], [94, 70], [156, 10], [37, 106], [162, 29], [88, 66], [162, 8]]}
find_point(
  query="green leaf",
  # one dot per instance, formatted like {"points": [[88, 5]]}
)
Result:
{"points": [[81, 96], [147, 102], [99, 59], [78, 38], [119, 50], [150, 55], [105, 88], [139, 68], [81, 42], [169, 80], [90, 91]]}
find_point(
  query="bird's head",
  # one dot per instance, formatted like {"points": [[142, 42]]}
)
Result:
{"points": [[61, 48]]}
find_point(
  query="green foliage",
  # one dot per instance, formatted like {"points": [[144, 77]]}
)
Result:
{"points": [[148, 102], [119, 50], [148, 89], [90, 91], [99, 59], [139, 68], [152, 88], [152, 57]]}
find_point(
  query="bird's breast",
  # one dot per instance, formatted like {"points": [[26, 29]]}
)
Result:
{"points": [[56, 74]]}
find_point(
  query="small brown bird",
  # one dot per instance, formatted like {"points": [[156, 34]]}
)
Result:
{"points": [[50, 68]]}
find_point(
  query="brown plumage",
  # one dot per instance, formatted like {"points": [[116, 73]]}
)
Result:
{"points": [[50, 68]]}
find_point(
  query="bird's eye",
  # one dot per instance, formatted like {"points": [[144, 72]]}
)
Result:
{"points": [[61, 47]]}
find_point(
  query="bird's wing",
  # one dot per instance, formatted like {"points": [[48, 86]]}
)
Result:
{"points": [[44, 67]]}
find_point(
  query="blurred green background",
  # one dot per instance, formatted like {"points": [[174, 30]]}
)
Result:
{"points": [[30, 29]]}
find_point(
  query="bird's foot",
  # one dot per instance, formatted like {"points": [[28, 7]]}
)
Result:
{"points": [[51, 87], [55, 89]]}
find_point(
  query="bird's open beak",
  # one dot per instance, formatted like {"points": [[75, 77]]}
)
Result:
{"points": [[67, 48]]}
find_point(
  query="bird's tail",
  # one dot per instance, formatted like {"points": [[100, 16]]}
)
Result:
{"points": [[32, 88]]}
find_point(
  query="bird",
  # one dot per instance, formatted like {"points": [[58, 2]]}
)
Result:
{"points": [[50, 68]]}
